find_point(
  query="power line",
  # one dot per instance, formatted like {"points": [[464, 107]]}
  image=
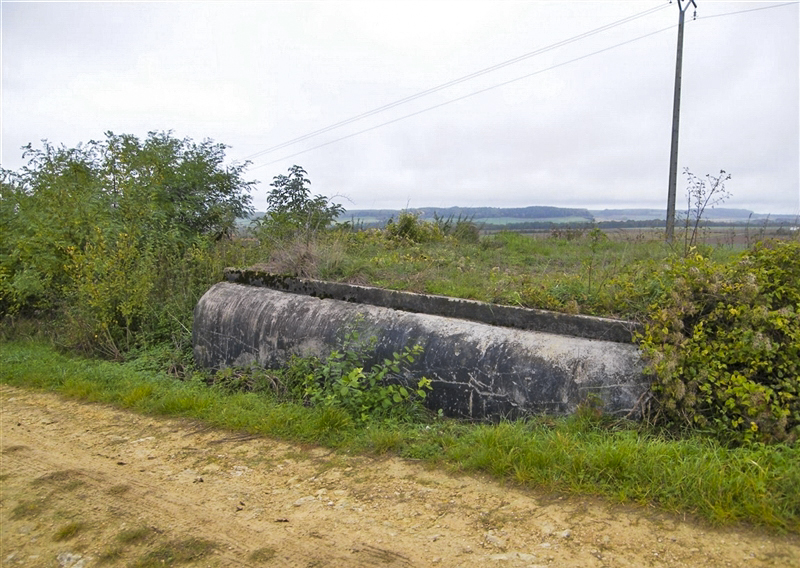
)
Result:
{"points": [[745, 11], [458, 81], [461, 98], [474, 93], [673, 160]]}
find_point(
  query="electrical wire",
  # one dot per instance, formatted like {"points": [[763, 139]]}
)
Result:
{"points": [[474, 93], [745, 11], [458, 81], [461, 98]]}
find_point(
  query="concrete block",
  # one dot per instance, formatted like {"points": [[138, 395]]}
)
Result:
{"points": [[479, 371], [589, 327]]}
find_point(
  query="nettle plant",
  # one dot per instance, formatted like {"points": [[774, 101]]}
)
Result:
{"points": [[723, 345], [701, 194]]}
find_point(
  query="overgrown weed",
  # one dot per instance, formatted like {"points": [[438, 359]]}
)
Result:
{"points": [[28, 509], [174, 552], [508, 268], [264, 554], [134, 535], [69, 531]]}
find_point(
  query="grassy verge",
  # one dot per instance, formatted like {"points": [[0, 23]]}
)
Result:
{"points": [[580, 454], [591, 273]]}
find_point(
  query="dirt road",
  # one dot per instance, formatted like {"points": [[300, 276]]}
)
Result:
{"points": [[87, 485]]}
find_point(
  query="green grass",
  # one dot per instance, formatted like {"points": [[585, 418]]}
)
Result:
{"points": [[578, 455], [110, 556], [129, 537], [605, 274], [263, 554], [179, 551], [69, 531], [65, 479], [134, 535], [28, 509]]}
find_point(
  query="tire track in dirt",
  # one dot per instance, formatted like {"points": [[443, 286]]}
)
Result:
{"points": [[264, 503], [155, 502]]}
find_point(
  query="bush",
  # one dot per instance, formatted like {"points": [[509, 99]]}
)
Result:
{"points": [[366, 393], [115, 237], [463, 230], [724, 345], [408, 228]]}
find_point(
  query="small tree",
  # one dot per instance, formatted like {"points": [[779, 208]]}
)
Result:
{"points": [[293, 211]]}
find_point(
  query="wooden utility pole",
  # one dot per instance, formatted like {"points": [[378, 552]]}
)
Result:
{"points": [[676, 118]]}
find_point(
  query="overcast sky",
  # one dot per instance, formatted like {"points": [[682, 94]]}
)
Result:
{"points": [[591, 133]]}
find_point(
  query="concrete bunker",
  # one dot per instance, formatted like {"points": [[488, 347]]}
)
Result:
{"points": [[478, 370]]}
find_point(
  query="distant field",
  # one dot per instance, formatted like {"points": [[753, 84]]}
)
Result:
{"points": [[483, 221], [512, 220], [366, 220]]}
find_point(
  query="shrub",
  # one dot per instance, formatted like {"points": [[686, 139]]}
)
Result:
{"points": [[409, 228], [723, 345], [115, 237], [462, 229], [366, 393]]}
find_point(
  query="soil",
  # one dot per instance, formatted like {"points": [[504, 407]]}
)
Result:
{"points": [[87, 485]]}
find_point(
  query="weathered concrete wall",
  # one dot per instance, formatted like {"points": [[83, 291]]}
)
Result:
{"points": [[478, 370], [589, 327]]}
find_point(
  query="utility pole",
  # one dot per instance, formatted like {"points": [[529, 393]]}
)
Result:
{"points": [[676, 118]]}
